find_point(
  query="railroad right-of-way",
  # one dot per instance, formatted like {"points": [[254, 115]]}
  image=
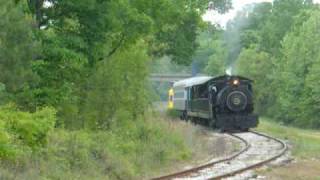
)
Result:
{"points": [[258, 149]]}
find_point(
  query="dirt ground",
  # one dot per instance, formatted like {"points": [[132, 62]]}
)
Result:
{"points": [[297, 170]]}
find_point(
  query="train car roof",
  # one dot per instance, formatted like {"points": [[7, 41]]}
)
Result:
{"points": [[227, 77], [204, 79], [192, 81]]}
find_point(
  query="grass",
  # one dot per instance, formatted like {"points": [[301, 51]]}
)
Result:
{"points": [[306, 143], [305, 148], [140, 149], [301, 170], [202, 145], [131, 149]]}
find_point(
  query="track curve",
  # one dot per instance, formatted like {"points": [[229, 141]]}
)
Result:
{"points": [[259, 149]]}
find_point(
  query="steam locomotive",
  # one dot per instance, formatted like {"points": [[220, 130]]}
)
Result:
{"points": [[224, 102]]}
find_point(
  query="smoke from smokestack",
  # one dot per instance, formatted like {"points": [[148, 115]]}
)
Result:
{"points": [[229, 71]]}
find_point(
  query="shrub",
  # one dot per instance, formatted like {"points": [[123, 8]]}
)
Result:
{"points": [[130, 149], [23, 131]]}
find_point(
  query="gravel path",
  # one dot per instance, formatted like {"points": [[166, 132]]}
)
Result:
{"points": [[215, 146], [261, 148]]}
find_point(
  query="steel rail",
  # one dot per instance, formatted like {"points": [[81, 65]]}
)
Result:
{"points": [[196, 169], [232, 173], [261, 163]]}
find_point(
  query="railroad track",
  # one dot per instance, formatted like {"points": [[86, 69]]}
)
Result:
{"points": [[259, 149]]}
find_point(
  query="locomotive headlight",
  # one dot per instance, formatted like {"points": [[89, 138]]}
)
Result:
{"points": [[235, 82]]}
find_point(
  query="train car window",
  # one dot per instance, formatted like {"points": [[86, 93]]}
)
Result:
{"points": [[194, 92], [189, 93], [204, 94], [204, 91], [200, 92]]}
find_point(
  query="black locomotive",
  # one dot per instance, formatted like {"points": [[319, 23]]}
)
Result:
{"points": [[224, 102]]}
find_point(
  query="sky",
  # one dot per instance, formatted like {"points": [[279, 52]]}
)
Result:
{"points": [[222, 19]]}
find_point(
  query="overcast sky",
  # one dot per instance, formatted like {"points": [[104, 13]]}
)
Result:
{"points": [[222, 19]]}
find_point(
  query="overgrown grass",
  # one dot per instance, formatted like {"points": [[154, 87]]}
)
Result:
{"points": [[306, 143], [171, 113], [129, 150]]}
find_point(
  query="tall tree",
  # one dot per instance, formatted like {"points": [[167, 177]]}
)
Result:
{"points": [[110, 24], [217, 61], [298, 93], [18, 46], [256, 65], [279, 22], [260, 31], [78, 36]]}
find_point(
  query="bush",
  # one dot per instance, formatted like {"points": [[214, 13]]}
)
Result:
{"points": [[6, 143], [21, 132], [132, 148]]}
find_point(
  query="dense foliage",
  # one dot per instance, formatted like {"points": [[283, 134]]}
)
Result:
{"points": [[75, 55], [88, 60], [276, 44], [22, 132], [31, 148], [299, 76], [74, 88]]}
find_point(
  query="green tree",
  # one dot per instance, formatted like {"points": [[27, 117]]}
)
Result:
{"points": [[298, 94], [206, 48], [256, 65], [118, 86], [279, 22], [271, 57], [79, 36], [18, 47], [217, 62], [170, 26]]}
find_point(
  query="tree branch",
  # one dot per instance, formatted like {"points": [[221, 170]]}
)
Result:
{"points": [[117, 46]]}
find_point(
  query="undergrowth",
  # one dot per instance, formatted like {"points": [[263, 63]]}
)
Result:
{"points": [[31, 148]]}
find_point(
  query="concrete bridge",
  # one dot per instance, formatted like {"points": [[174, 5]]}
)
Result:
{"points": [[169, 77]]}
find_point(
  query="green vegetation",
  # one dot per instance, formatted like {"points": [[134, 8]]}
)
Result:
{"points": [[276, 45], [74, 92], [306, 143], [31, 145], [23, 132], [216, 65], [165, 65], [81, 56]]}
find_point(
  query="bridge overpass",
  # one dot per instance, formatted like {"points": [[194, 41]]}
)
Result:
{"points": [[169, 77]]}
